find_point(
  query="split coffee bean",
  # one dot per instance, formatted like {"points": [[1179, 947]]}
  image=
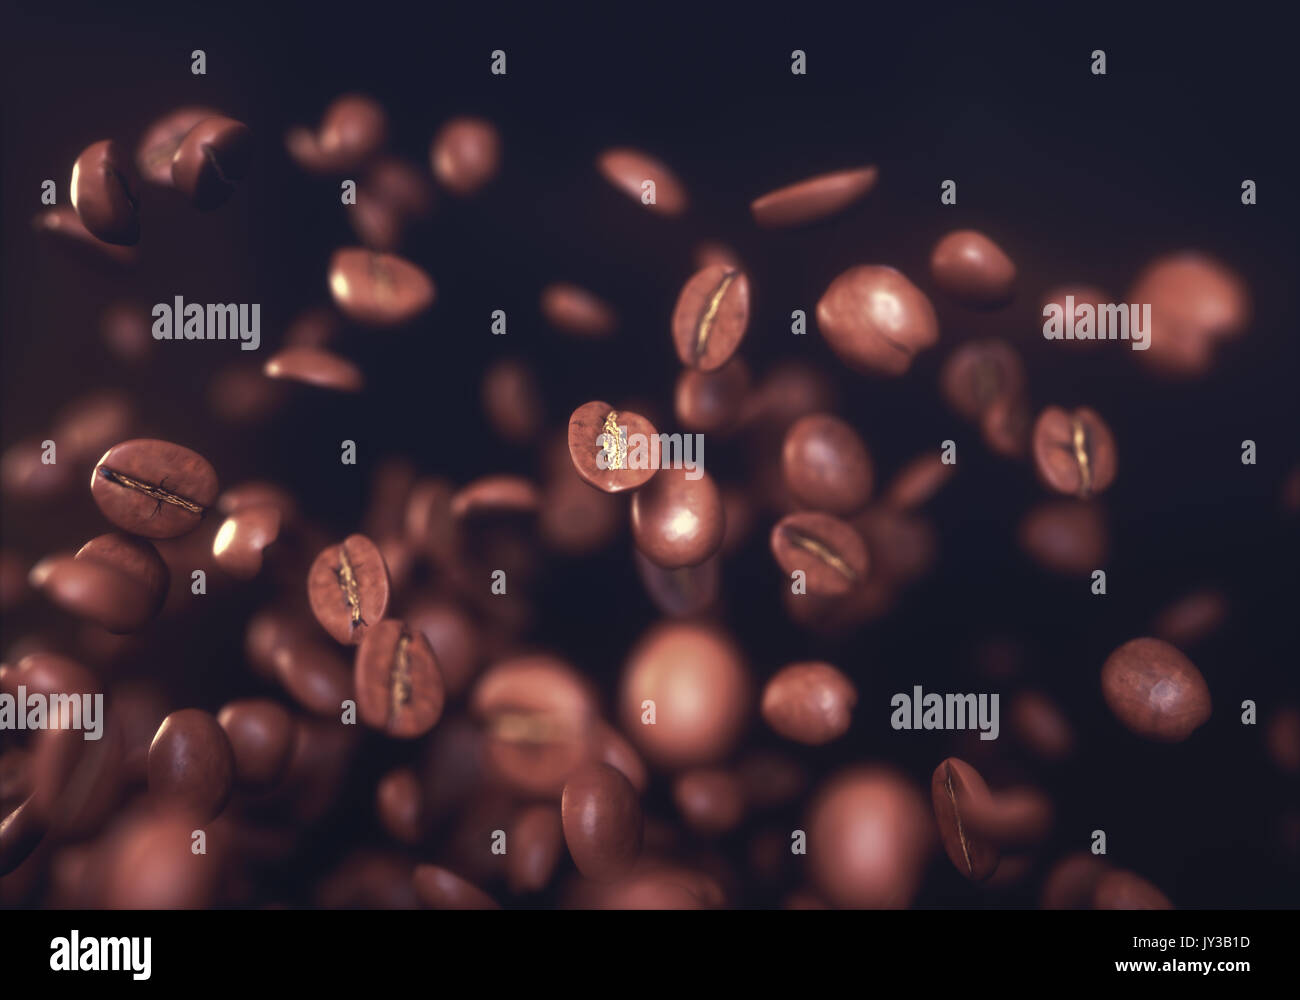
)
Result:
{"points": [[153, 488], [1074, 452], [711, 317], [600, 435], [213, 157], [828, 551], [348, 588], [400, 689]]}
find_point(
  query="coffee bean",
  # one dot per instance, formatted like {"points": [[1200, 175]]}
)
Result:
{"points": [[826, 465], [512, 401], [466, 155], [875, 806], [214, 156], [681, 592], [600, 434], [678, 521], [535, 839], [973, 269], [1006, 426], [261, 735], [610, 747], [106, 194], [243, 537], [710, 317], [115, 580], [440, 889], [1072, 881], [124, 329], [825, 549], [813, 199], [711, 402], [957, 791], [495, 495], [353, 128], [400, 689], [1082, 295], [1119, 890], [876, 320], [917, 482], [1196, 302], [378, 289], [454, 638], [1155, 690], [1282, 739], [978, 374], [574, 519], [629, 170], [392, 195], [603, 825], [1040, 725], [63, 223], [315, 366], [191, 763], [348, 588], [153, 488], [1074, 452], [809, 702], [153, 156], [710, 800], [577, 311], [1066, 536], [1192, 618], [21, 832], [701, 693], [399, 803], [711, 253], [150, 864]]}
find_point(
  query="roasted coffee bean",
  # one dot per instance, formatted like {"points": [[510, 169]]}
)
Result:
{"points": [[711, 402], [21, 832], [577, 311], [1282, 739], [973, 269], [876, 320], [191, 763], [258, 493], [809, 702], [574, 519], [536, 839], [700, 692], [153, 157], [826, 465], [711, 253], [609, 746], [26, 476], [400, 690], [115, 580], [315, 366], [242, 394], [1066, 536], [512, 401], [124, 329], [378, 289], [440, 889], [711, 317], [90, 425], [392, 196], [153, 488], [658, 885], [243, 537], [1120, 890], [710, 800], [348, 588], [828, 552], [1196, 302], [1070, 300], [677, 520], [978, 374], [495, 495], [813, 199], [680, 592], [454, 638], [213, 157], [957, 791], [353, 128], [261, 735], [106, 194], [1155, 690], [149, 864], [1072, 881], [868, 806], [1006, 426], [917, 482], [1192, 618], [466, 155], [62, 222], [609, 447], [1040, 726], [1074, 452], [644, 178], [399, 801], [603, 825]]}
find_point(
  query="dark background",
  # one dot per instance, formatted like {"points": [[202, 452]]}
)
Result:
{"points": [[1079, 178]]}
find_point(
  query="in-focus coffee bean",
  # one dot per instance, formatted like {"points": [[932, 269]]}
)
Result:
{"points": [[153, 488], [876, 320], [191, 763], [106, 194], [1155, 690], [710, 318], [400, 690], [348, 588]]}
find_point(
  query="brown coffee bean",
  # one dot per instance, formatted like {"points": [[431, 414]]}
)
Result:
{"points": [[353, 128], [124, 329], [1040, 725], [148, 863], [809, 702], [536, 839], [27, 477], [512, 401], [868, 806], [577, 311], [978, 374], [1069, 300], [454, 638], [378, 289], [1120, 890], [495, 495], [1155, 690], [917, 482], [538, 715], [1072, 881], [825, 549], [1074, 452], [826, 465], [676, 520], [603, 825], [63, 223], [711, 800], [153, 488], [21, 832], [261, 735], [1196, 302], [1282, 739], [242, 394], [1192, 618], [1066, 536], [711, 253], [711, 317], [243, 537], [191, 763], [106, 194], [681, 592], [609, 746], [575, 520], [973, 269], [153, 156], [466, 155], [348, 588], [399, 801], [629, 170], [610, 447], [711, 402], [116, 581], [813, 199], [700, 690], [315, 366], [392, 195], [439, 889], [876, 320], [213, 157], [400, 690], [957, 790], [1006, 426]]}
